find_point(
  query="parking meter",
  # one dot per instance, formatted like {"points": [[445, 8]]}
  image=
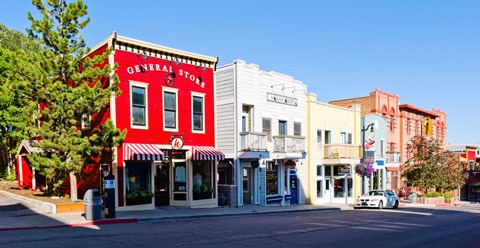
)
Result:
{"points": [[109, 186]]}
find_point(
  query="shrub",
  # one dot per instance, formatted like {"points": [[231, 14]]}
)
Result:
{"points": [[447, 195], [6, 177], [432, 194]]}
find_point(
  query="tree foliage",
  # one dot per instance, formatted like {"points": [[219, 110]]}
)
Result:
{"points": [[431, 166], [15, 108], [69, 87]]}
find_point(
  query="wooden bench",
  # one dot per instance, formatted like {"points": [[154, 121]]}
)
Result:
{"points": [[274, 198]]}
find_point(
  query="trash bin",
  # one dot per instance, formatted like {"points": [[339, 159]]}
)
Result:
{"points": [[413, 197], [93, 204]]}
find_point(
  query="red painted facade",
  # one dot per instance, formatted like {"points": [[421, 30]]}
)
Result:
{"points": [[155, 79], [147, 65]]}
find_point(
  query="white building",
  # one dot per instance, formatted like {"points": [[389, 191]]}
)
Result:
{"points": [[261, 130]]}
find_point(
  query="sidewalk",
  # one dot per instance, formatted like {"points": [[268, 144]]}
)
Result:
{"points": [[16, 215]]}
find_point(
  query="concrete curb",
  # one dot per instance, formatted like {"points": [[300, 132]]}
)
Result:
{"points": [[44, 207], [88, 223], [189, 217]]}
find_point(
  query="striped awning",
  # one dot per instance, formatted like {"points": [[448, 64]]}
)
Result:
{"points": [[143, 152], [207, 153]]}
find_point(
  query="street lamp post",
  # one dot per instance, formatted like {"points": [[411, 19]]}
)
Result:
{"points": [[370, 126]]}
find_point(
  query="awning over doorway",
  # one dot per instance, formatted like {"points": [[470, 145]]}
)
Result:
{"points": [[143, 152], [207, 153]]}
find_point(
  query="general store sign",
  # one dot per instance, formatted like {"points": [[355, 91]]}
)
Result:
{"points": [[143, 68], [282, 99]]}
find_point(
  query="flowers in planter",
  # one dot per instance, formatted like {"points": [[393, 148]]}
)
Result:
{"points": [[364, 169]]}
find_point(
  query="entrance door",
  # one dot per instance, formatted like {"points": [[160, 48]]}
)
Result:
{"points": [[328, 194], [162, 182], [247, 186]]}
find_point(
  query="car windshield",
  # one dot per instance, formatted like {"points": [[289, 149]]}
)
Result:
{"points": [[375, 193]]}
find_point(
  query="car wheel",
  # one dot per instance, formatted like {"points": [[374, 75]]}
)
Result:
{"points": [[396, 204], [380, 205]]}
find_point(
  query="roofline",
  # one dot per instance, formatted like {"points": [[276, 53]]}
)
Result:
{"points": [[152, 46], [417, 109]]}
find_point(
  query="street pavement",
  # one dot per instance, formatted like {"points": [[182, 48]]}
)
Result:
{"points": [[16, 215]]}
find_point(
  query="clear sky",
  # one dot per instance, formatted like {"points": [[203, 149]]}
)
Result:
{"points": [[427, 52]]}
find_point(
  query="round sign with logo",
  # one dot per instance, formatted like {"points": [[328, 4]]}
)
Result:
{"points": [[177, 143]]}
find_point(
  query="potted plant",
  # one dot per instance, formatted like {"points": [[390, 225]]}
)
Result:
{"points": [[139, 197], [203, 191]]}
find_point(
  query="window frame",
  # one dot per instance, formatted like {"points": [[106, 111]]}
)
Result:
{"points": [[145, 87], [298, 125], [264, 130], [202, 96], [282, 130], [319, 141], [173, 91]]}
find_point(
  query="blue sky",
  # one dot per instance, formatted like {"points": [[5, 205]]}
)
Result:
{"points": [[427, 52]]}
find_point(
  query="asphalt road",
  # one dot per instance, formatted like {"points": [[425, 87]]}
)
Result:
{"points": [[404, 227]]}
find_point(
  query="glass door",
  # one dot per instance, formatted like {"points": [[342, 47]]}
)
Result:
{"points": [[179, 181], [162, 192]]}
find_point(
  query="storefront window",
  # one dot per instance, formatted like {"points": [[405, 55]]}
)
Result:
{"points": [[272, 178], [202, 180], [319, 188], [138, 184]]}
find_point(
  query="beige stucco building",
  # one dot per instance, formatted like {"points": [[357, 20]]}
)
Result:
{"points": [[333, 148]]}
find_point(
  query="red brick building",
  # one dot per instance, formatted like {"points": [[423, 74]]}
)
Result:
{"points": [[403, 122]]}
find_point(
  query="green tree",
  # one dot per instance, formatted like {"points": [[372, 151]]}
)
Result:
{"points": [[70, 87], [15, 108], [431, 166]]}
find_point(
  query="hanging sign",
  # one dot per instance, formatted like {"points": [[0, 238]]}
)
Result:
{"points": [[177, 143]]}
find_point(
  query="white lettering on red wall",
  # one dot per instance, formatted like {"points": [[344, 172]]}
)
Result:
{"points": [[164, 68]]}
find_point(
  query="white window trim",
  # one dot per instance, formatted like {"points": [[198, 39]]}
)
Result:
{"points": [[201, 95], [170, 90], [140, 85], [322, 142], [86, 124]]}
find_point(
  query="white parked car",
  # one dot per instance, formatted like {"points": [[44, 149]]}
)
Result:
{"points": [[377, 199]]}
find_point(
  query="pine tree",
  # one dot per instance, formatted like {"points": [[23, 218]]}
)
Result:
{"points": [[70, 87], [15, 108]]}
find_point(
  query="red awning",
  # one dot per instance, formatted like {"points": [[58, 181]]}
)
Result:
{"points": [[207, 153], [144, 152]]}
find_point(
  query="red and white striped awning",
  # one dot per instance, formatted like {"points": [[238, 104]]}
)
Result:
{"points": [[144, 152], [207, 153]]}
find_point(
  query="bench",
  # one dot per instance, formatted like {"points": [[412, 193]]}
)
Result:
{"points": [[274, 198]]}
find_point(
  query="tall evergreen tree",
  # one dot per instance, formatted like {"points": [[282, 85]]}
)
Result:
{"points": [[70, 88], [15, 108], [431, 166]]}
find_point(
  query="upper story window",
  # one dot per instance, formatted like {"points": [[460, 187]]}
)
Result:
{"points": [[408, 126], [297, 129], [392, 123], [170, 116], [198, 110], [267, 128], [86, 121], [319, 139], [346, 138], [328, 137], [282, 128], [247, 118], [139, 110]]}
